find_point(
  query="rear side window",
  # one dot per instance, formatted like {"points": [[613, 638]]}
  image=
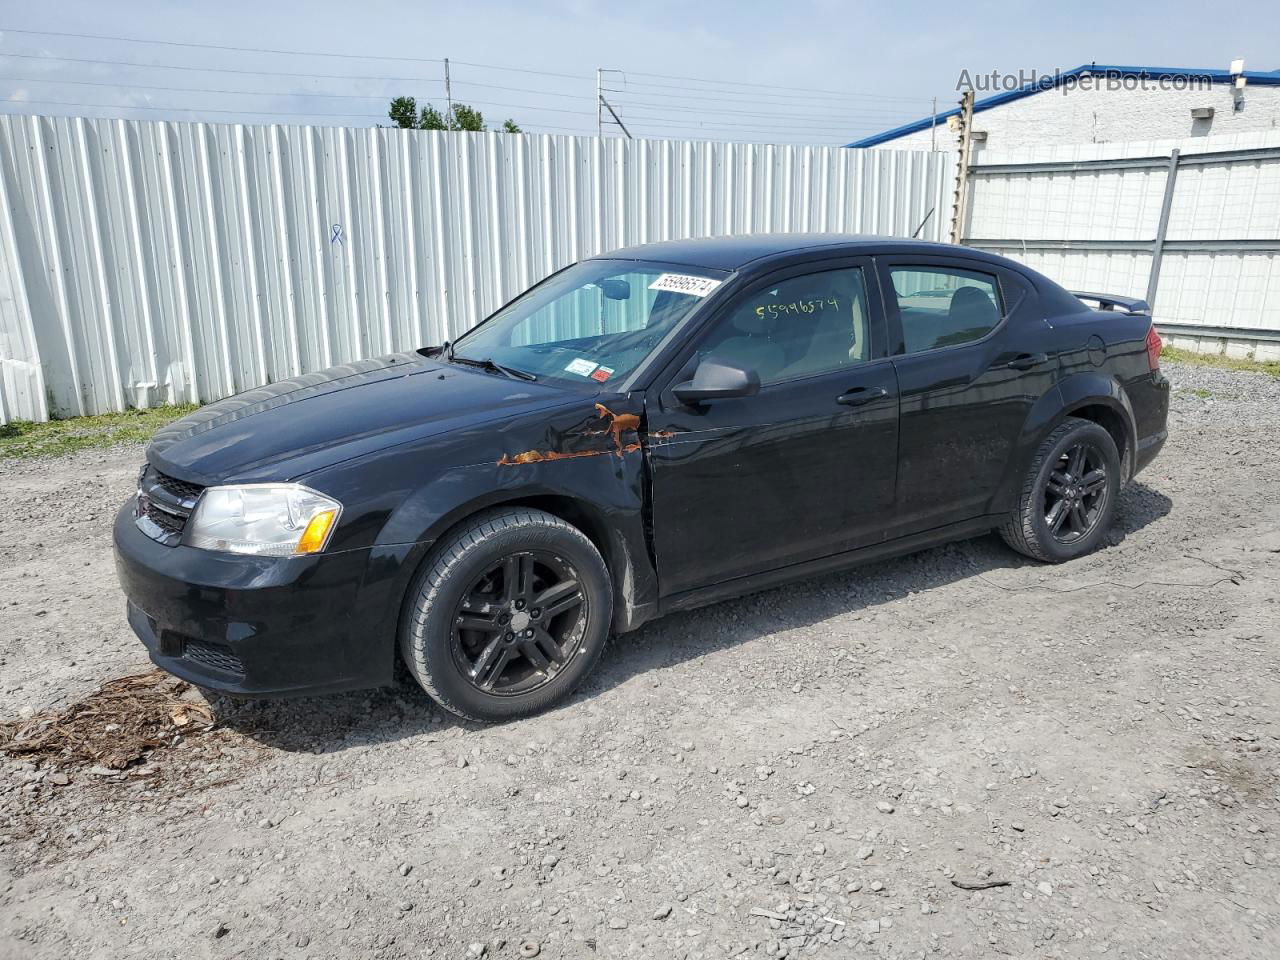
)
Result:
{"points": [[944, 306]]}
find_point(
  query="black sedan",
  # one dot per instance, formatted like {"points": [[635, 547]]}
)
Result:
{"points": [[646, 431]]}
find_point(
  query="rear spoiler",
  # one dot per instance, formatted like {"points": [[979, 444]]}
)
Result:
{"points": [[1106, 301]]}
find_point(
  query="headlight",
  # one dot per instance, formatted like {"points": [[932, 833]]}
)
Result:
{"points": [[266, 519]]}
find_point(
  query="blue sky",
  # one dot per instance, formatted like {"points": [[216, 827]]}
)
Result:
{"points": [[816, 71]]}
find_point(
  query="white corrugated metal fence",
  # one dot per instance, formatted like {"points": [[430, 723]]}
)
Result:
{"points": [[1089, 217], [145, 263]]}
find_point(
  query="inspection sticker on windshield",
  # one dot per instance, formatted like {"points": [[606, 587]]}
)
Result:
{"points": [[683, 283], [581, 367], [602, 374]]}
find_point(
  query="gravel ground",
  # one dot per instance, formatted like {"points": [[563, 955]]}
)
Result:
{"points": [[810, 771]]}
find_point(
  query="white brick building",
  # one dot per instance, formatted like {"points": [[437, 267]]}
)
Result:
{"points": [[1101, 104]]}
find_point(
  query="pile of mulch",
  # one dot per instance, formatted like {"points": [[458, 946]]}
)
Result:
{"points": [[122, 722]]}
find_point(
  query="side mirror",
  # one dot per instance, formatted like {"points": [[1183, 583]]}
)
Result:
{"points": [[717, 381]]}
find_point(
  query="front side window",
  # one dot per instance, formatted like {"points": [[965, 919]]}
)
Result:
{"points": [[942, 306], [591, 324], [798, 327]]}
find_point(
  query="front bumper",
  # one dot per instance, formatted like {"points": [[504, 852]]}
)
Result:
{"points": [[262, 626]]}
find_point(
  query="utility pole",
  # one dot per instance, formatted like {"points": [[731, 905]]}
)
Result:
{"points": [[933, 127], [448, 89], [960, 198], [602, 104]]}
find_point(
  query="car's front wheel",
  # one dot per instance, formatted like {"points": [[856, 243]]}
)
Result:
{"points": [[1068, 498], [508, 615]]}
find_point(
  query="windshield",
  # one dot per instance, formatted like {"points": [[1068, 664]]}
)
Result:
{"points": [[591, 324]]}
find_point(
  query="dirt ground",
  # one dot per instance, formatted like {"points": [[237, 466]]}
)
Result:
{"points": [[824, 769]]}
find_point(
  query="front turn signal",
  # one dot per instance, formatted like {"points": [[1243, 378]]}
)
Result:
{"points": [[317, 533]]}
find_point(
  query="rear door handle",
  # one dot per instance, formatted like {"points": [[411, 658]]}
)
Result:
{"points": [[1025, 361], [857, 396]]}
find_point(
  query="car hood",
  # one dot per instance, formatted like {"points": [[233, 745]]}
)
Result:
{"points": [[288, 429]]}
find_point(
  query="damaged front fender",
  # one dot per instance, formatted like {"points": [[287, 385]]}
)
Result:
{"points": [[583, 461]]}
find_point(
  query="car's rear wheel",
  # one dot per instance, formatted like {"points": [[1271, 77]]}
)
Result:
{"points": [[507, 616], [1068, 498]]}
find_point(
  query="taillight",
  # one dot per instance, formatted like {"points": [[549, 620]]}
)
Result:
{"points": [[1154, 346]]}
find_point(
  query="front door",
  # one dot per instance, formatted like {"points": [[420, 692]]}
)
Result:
{"points": [[804, 469]]}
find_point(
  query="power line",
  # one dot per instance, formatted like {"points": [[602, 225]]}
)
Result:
{"points": [[215, 46], [742, 83], [795, 123], [761, 113], [483, 103], [832, 118], [278, 93], [762, 123], [787, 121], [541, 93], [714, 83], [245, 93], [540, 73], [527, 106], [684, 91], [256, 73], [292, 53], [130, 106]]}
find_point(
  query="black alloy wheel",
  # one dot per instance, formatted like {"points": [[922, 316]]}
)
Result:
{"points": [[507, 614], [1075, 495], [1068, 495], [519, 623]]}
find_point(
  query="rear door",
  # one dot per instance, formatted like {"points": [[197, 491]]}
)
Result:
{"points": [[968, 346], [803, 469]]}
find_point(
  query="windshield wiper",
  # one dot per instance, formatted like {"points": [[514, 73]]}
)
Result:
{"points": [[490, 364]]}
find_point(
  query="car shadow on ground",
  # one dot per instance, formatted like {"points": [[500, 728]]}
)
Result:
{"points": [[362, 719]]}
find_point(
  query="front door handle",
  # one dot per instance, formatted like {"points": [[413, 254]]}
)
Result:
{"points": [[1025, 361], [857, 396]]}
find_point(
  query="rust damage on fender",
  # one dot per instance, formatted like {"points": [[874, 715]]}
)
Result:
{"points": [[619, 423], [623, 428], [539, 456]]}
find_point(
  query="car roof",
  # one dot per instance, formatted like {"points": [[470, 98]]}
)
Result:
{"points": [[736, 252]]}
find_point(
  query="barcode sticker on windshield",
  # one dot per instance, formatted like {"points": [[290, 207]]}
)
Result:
{"points": [[683, 283], [581, 367]]}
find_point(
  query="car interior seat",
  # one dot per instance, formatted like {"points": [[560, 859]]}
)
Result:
{"points": [[750, 345], [969, 317], [970, 307], [837, 336]]}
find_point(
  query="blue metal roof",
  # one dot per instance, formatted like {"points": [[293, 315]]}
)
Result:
{"points": [[1051, 82]]}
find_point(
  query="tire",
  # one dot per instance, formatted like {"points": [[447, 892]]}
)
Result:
{"points": [[1090, 500], [478, 576]]}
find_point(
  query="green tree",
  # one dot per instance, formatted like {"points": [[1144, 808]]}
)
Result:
{"points": [[404, 112], [432, 119], [406, 115], [466, 118]]}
